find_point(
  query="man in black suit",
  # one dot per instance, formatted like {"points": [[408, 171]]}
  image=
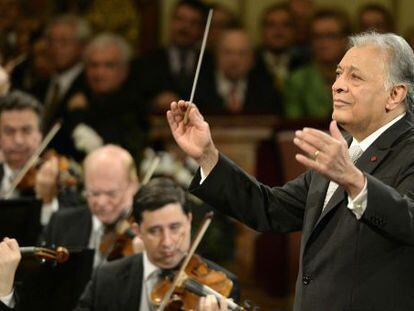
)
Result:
{"points": [[354, 207], [232, 87], [167, 74], [66, 37], [20, 136], [110, 184], [163, 222]]}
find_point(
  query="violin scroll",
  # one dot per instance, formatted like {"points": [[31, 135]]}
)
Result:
{"points": [[60, 255]]}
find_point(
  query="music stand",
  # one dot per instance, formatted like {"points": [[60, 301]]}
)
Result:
{"points": [[20, 219], [52, 286]]}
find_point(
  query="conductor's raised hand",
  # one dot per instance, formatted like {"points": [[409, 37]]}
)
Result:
{"points": [[328, 155], [194, 137]]}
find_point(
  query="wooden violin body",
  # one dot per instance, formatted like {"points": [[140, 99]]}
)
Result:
{"points": [[197, 274]]}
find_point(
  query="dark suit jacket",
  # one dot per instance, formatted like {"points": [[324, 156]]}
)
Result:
{"points": [[345, 263], [260, 95], [69, 227], [117, 286], [152, 73]]}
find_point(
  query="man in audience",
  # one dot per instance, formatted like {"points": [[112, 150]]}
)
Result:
{"points": [[278, 55], [307, 92], [375, 17], [168, 73], [233, 87], [66, 36], [109, 109]]}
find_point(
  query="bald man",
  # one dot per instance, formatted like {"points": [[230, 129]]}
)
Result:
{"points": [[110, 184]]}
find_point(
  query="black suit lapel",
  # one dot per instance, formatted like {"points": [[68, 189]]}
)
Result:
{"points": [[369, 161], [131, 285]]}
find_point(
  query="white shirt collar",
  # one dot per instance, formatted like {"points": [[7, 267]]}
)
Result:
{"points": [[364, 144], [224, 86], [66, 78], [149, 267]]}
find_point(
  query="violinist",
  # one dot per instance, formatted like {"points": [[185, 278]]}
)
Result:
{"points": [[20, 136], [163, 222], [110, 184], [9, 260]]}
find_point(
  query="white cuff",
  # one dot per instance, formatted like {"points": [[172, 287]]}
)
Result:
{"points": [[358, 205], [9, 300], [48, 210]]}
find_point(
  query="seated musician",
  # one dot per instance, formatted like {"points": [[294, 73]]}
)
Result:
{"points": [[110, 184], [20, 137], [163, 222]]}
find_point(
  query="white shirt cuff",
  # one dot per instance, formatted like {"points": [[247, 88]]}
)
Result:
{"points": [[358, 205], [48, 210], [9, 300]]}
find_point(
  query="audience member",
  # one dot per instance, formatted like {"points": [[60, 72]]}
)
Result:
{"points": [[375, 17], [168, 73], [109, 109], [308, 91], [233, 87]]}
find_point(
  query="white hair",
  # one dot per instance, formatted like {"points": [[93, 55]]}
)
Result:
{"points": [[102, 41], [400, 61]]}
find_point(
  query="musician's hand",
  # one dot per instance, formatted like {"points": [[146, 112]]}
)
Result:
{"points": [[9, 260], [137, 245], [194, 138], [209, 303], [46, 180]]}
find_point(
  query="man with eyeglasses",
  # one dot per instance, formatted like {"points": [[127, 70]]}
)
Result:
{"points": [[110, 184]]}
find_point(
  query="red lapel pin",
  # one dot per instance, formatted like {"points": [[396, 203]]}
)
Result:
{"points": [[373, 158]]}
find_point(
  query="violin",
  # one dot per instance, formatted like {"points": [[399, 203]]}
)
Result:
{"points": [[69, 172], [199, 280], [60, 255], [117, 243]]}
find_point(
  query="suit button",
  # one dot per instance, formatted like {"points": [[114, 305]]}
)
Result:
{"points": [[306, 279]]}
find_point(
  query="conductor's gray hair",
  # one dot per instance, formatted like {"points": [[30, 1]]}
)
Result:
{"points": [[399, 64]]}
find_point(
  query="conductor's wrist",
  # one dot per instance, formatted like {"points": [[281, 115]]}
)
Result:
{"points": [[356, 184], [209, 159]]}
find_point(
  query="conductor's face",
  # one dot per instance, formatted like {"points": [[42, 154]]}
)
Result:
{"points": [[360, 96], [165, 233]]}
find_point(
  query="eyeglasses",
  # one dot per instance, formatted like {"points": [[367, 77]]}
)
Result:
{"points": [[110, 194]]}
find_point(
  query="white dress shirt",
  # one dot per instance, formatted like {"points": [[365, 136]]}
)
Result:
{"points": [[64, 80], [47, 209], [149, 278]]}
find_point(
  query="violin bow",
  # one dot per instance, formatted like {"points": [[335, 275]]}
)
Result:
{"points": [[200, 59], [33, 159], [151, 169], [181, 274]]}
